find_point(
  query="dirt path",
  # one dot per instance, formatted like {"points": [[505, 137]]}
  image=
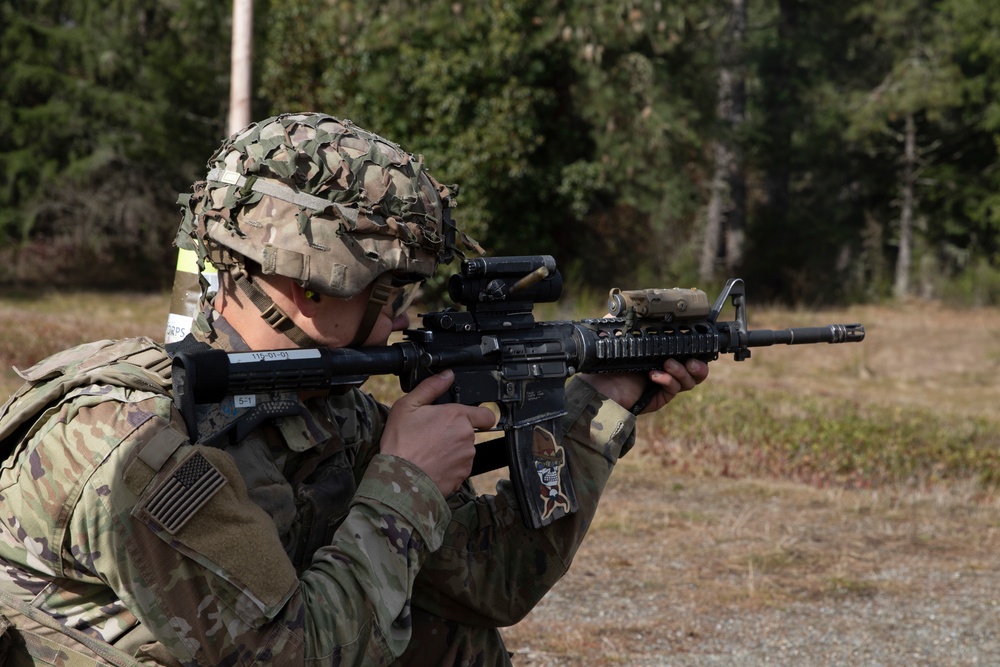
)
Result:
{"points": [[713, 571]]}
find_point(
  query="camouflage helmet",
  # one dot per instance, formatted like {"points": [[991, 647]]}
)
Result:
{"points": [[323, 202]]}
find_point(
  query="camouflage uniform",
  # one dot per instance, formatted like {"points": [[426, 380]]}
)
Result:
{"points": [[300, 543], [313, 548]]}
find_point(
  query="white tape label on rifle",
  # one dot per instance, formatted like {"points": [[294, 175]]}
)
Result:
{"points": [[272, 355], [243, 401]]}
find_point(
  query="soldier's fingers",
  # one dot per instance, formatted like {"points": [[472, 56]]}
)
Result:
{"points": [[429, 389], [481, 418], [697, 369]]}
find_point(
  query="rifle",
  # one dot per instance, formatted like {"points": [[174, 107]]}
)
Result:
{"points": [[499, 355]]}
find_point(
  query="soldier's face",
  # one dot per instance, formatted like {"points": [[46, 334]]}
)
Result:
{"points": [[337, 320]]}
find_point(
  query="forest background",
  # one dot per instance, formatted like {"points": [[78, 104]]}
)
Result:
{"points": [[828, 152]]}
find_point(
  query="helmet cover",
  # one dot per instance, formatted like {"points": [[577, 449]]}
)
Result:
{"points": [[324, 202]]}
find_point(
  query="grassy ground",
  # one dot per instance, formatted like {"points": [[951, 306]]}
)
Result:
{"points": [[803, 476], [806, 482], [33, 326]]}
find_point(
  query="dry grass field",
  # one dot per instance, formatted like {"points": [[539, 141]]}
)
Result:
{"points": [[708, 552], [814, 505], [33, 326]]}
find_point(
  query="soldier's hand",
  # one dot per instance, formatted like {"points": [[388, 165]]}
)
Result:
{"points": [[438, 439], [625, 389]]}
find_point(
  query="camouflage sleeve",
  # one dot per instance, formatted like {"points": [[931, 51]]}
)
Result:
{"points": [[171, 530], [491, 570]]}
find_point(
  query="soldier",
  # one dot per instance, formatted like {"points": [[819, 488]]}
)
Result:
{"points": [[345, 534]]}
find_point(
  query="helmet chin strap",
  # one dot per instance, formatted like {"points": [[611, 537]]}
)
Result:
{"points": [[272, 314], [280, 322], [381, 291]]}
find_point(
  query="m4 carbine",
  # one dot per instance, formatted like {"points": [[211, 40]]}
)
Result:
{"points": [[500, 355]]}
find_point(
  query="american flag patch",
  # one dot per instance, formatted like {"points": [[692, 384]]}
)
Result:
{"points": [[191, 485]]}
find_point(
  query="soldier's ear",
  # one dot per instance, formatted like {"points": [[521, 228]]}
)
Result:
{"points": [[305, 300]]}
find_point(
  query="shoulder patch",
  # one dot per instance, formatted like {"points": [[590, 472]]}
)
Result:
{"points": [[184, 492], [198, 508]]}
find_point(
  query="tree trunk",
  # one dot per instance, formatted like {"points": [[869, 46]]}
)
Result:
{"points": [[736, 219], [905, 258], [241, 65], [726, 213], [716, 204]]}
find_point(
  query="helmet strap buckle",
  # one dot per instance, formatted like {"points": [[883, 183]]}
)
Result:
{"points": [[276, 318]]}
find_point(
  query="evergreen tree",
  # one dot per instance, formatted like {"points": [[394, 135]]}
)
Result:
{"points": [[479, 88], [102, 106], [806, 203], [581, 128], [561, 122], [905, 114], [647, 91], [965, 198]]}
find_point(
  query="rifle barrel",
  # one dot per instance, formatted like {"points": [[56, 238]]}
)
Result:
{"points": [[833, 333]]}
